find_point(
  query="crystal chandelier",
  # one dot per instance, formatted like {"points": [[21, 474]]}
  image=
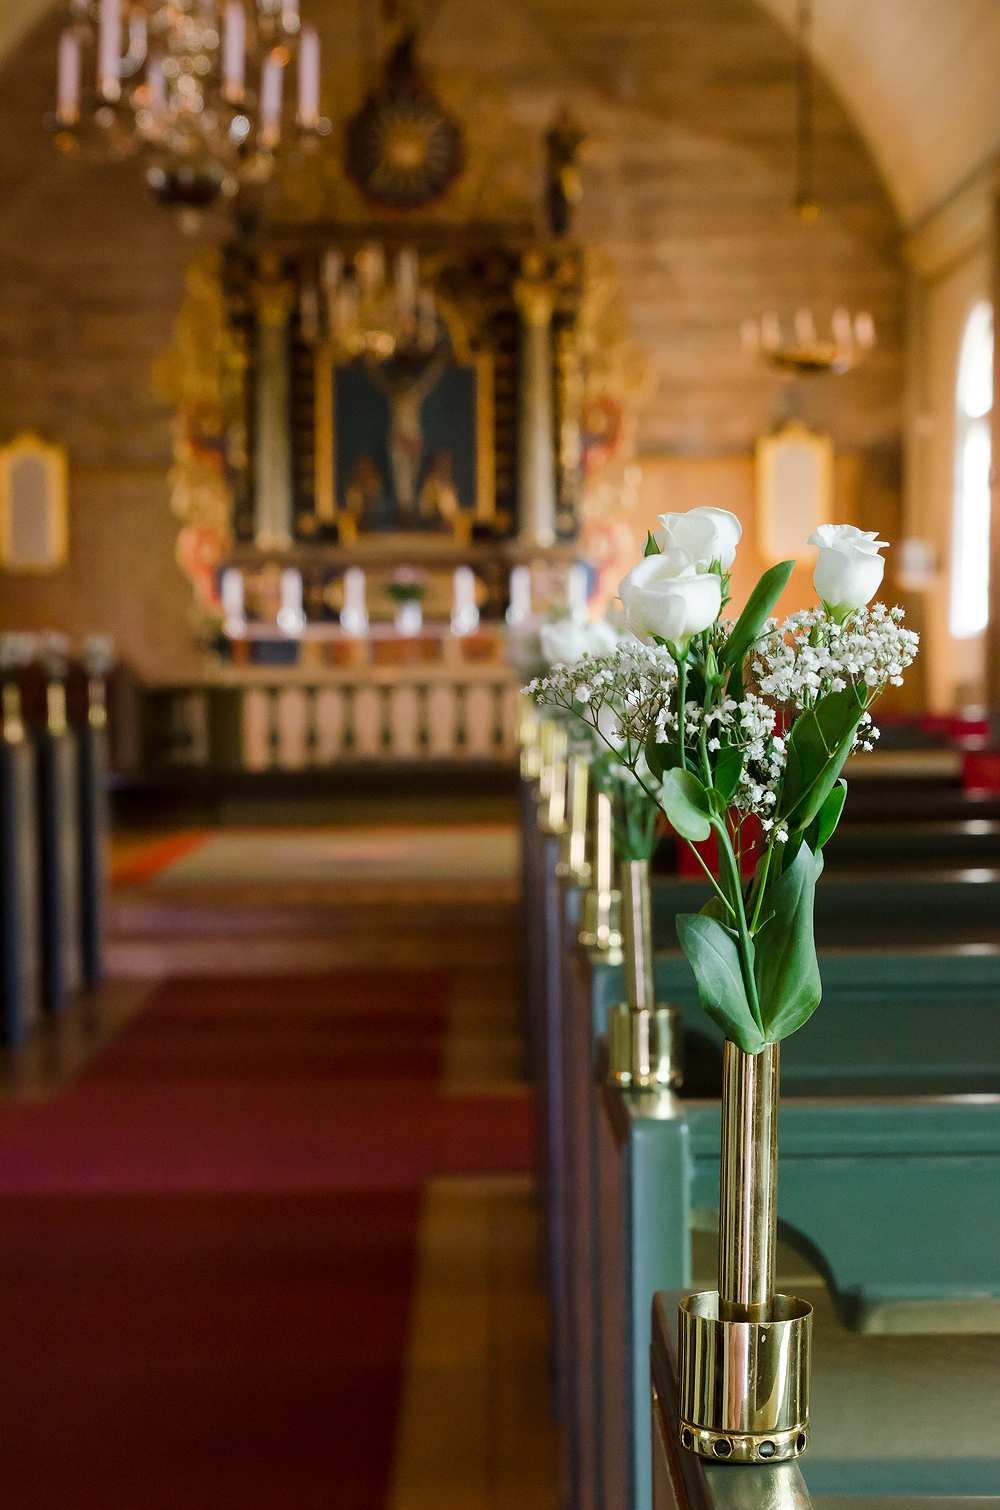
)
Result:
{"points": [[805, 350], [195, 86], [370, 312]]}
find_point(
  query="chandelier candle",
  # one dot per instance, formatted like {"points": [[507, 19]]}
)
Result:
{"points": [[720, 720]]}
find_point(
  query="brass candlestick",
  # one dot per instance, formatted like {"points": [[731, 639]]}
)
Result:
{"points": [[642, 1037], [743, 1350]]}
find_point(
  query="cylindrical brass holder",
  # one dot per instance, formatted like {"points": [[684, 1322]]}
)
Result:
{"points": [[573, 861], [599, 930], [552, 779], [744, 1351], [643, 1038], [749, 1181]]}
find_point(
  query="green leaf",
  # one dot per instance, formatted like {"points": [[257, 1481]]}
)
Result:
{"points": [[652, 549], [728, 766], [661, 757], [685, 803], [714, 958], [792, 847], [818, 745], [825, 822], [785, 966], [758, 608]]}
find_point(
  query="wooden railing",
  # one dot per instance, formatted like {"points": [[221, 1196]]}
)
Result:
{"points": [[271, 719]]}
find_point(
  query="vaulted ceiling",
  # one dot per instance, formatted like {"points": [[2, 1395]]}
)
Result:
{"points": [[921, 79]]}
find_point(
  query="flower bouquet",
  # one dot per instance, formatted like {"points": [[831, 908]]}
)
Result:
{"points": [[718, 721]]}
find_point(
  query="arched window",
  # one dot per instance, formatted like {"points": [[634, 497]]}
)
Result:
{"points": [[970, 541]]}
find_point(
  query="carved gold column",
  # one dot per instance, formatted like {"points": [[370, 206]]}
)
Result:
{"points": [[273, 448], [535, 438]]}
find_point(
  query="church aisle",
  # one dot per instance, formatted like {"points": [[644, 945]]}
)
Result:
{"points": [[208, 1243]]}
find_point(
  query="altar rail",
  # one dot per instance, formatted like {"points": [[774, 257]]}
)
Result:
{"points": [[275, 722]]}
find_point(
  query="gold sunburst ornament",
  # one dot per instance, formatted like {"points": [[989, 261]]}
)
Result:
{"points": [[403, 149]]}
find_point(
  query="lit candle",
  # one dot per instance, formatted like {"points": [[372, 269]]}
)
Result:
{"points": [[291, 619], [234, 52], [109, 50], [290, 15], [231, 592], [520, 595], [576, 592], [464, 613], [864, 330], [370, 263], [309, 78], [68, 85], [354, 614], [271, 81], [156, 84]]}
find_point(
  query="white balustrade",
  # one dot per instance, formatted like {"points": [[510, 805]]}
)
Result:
{"points": [[292, 728], [404, 722], [367, 722], [338, 716], [256, 721], [442, 721], [331, 724], [480, 720]]}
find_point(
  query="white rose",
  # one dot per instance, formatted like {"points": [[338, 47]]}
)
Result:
{"points": [[566, 642], [664, 595], [708, 534], [849, 569]]}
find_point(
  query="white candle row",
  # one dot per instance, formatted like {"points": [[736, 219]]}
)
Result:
{"points": [[354, 614]]}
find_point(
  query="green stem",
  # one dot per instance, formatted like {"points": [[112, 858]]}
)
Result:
{"points": [[744, 941]]}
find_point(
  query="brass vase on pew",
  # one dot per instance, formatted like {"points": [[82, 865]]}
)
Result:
{"points": [[573, 863], [643, 1038], [599, 921], [551, 791], [744, 1352]]}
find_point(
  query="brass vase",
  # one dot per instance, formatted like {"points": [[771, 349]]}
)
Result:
{"points": [[599, 931], [743, 1350], [573, 863], [642, 1036], [551, 793]]}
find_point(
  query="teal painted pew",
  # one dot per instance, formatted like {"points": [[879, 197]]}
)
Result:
{"points": [[894, 1200]]}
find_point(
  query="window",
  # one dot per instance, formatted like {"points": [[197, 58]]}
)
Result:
{"points": [[970, 545]]}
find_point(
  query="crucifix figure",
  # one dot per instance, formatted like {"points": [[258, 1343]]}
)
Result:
{"points": [[405, 394]]}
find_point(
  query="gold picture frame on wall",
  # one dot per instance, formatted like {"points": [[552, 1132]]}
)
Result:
{"points": [[34, 506], [794, 488]]}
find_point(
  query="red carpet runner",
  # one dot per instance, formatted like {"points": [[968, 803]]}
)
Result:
{"points": [[207, 1247]]}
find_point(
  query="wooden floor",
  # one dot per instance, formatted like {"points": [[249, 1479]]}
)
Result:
{"points": [[475, 1431]]}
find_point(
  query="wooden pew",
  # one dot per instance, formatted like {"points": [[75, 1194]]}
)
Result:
{"points": [[895, 1421], [636, 1170], [20, 947], [873, 1193]]}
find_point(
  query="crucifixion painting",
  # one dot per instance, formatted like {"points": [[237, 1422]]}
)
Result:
{"points": [[406, 437]]}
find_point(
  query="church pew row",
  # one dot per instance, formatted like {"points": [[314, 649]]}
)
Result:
{"points": [[942, 908], [622, 1213], [53, 843]]}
